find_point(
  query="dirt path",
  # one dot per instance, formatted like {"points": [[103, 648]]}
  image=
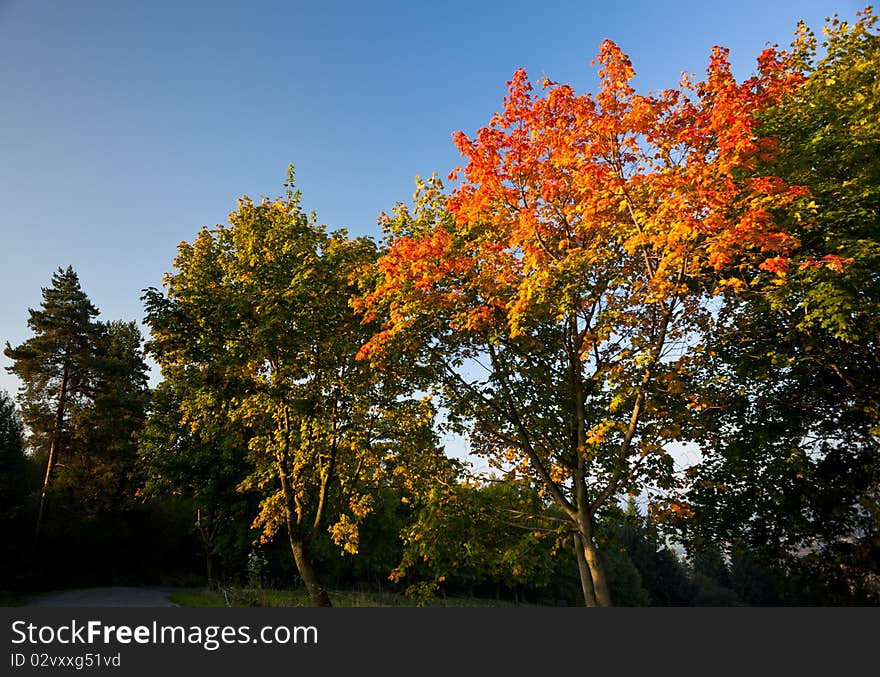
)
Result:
{"points": [[102, 597]]}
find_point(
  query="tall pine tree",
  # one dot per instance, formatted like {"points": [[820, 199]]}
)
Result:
{"points": [[54, 366], [103, 428]]}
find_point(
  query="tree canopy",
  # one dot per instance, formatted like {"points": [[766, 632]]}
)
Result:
{"points": [[790, 444], [559, 290], [257, 327]]}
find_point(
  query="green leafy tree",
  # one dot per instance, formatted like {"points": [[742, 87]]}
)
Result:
{"points": [[205, 466], [464, 535], [829, 133], [54, 367], [790, 441], [257, 322]]}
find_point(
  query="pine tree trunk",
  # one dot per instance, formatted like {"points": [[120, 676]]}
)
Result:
{"points": [[53, 452]]}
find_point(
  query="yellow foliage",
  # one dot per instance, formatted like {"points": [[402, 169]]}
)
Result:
{"points": [[345, 534]]}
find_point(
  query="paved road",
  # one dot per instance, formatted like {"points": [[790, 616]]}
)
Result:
{"points": [[101, 597]]}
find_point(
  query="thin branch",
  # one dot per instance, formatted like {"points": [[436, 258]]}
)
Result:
{"points": [[526, 445]]}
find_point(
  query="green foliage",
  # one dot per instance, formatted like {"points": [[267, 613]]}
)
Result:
{"points": [[829, 131], [381, 547], [625, 580], [789, 428], [13, 462], [62, 350], [495, 535], [203, 467], [17, 480], [103, 426], [662, 575], [754, 583], [83, 398], [84, 389], [709, 592]]}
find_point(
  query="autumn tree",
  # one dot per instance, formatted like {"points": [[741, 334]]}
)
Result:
{"points": [[54, 367], [256, 323], [791, 453], [558, 292]]}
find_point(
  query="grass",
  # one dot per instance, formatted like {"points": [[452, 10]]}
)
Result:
{"points": [[10, 599], [260, 597]]}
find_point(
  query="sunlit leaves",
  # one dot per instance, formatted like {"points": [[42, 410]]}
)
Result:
{"points": [[257, 326], [556, 289]]}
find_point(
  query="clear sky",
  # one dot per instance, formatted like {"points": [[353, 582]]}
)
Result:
{"points": [[126, 125]]}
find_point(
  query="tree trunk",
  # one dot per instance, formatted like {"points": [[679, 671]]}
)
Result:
{"points": [[596, 568], [584, 571], [317, 594], [209, 570], [207, 547], [298, 541], [298, 545], [53, 452]]}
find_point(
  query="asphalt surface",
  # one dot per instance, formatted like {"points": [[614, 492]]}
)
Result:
{"points": [[107, 597]]}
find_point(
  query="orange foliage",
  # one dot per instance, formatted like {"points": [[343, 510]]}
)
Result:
{"points": [[653, 190]]}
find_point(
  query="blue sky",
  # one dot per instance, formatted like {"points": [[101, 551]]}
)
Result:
{"points": [[125, 126]]}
